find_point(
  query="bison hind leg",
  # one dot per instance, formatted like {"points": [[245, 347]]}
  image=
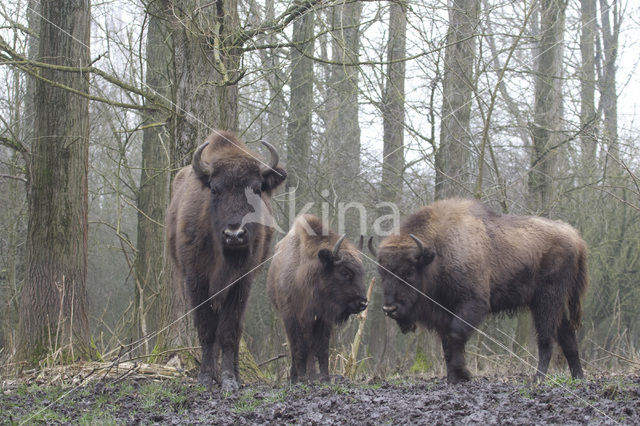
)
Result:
{"points": [[547, 313], [569, 344]]}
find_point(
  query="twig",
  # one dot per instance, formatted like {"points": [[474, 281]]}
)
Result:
{"points": [[352, 364], [275, 358]]}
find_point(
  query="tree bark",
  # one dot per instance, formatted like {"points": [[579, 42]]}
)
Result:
{"points": [[588, 118], [300, 107], [53, 311], [453, 170], [393, 122], [206, 67], [607, 81], [342, 127], [547, 125], [151, 266]]}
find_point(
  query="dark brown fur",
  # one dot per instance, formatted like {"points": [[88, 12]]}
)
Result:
{"points": [[475, 262], [313, 291], [202, 207]]}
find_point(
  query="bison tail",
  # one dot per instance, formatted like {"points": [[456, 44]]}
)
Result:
{"points": [[578, 288]]}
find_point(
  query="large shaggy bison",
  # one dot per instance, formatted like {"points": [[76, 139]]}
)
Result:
{"points": [[218, 234], [455, 261], [315, 281]]}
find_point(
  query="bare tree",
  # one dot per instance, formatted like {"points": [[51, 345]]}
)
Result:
{"points": [[53, 308], [299, 128], [453, 170], [343, 129], [588, 118], [547, 118], [150, 266], [608, 53], [393, 162]]}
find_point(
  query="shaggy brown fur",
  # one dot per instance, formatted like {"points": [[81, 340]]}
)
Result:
{"points": [[475, 261], [313, 290], [212, 247]]}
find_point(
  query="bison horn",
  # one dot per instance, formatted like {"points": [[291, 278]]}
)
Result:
{"points": [[274, 157], [336, 248], [361, 243], [203, 170], [372, 249], [418, 242]]}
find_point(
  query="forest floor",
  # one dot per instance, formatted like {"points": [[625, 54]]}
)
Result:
{"points": [[514, 400]]}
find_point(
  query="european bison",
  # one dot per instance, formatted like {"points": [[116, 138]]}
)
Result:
{"points": [[215, 248], [455, 261], [315, 281]]}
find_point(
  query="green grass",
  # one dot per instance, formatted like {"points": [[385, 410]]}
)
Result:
{"points": [[561, 380], [422, 363]]}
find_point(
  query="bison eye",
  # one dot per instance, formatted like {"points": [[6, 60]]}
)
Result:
{"points": [[215, 191], [346, 273]]}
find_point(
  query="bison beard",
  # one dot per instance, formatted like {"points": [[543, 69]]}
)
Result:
{"points": [[213, 245], [470, 261], [315, 281]]}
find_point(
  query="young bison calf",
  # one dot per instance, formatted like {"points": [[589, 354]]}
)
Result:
{"points": [[315, 281]]}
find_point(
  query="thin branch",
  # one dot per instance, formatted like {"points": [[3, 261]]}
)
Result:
{"points": [[2, 175]]}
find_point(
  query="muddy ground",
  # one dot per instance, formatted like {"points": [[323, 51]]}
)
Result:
{"points": [[607, 400]]}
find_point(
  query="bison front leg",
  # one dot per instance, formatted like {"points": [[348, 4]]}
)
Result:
{"points": [[206, 322], [321, 338], [467, 317], [229, 334], [298, 348]]}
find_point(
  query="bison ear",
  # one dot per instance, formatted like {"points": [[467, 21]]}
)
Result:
{"points": [[272, 178], [426, 256], [326, 257]]}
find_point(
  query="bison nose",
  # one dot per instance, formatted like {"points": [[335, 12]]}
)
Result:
{"points": [[235, 236], [389, 309]]}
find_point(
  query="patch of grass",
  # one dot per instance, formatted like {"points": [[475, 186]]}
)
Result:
{"points": [[560, 380], [96, 417], [167, 391], [616, 389], [373, 386], [525, 392], [45, 416], [247, 402], [339, 389], [422, 363], [280, 396]]}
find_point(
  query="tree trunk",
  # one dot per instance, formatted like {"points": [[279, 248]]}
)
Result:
{"points": [[300, 106], [342, 128], [607, 81], [151, 266], [588, 123], [206, 67], [453, 170], [547, 126], [393, 122], [276, 133], [53, 311]]}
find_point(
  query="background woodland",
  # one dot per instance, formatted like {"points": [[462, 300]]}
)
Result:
{"points": [[529, 106]]}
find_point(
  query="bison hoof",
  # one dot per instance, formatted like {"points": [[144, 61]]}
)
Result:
{"points": [[229, 384], [206, 380], [458, 376]]}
